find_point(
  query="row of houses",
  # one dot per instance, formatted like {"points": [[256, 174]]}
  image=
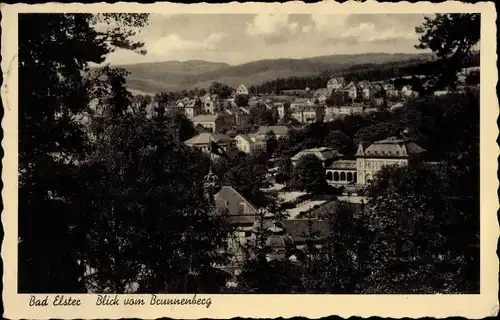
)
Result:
{"points": [[360, 90], [247, 143], [284, 239]]}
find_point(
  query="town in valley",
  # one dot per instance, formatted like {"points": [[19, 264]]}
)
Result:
{"points": [[359, 178]]}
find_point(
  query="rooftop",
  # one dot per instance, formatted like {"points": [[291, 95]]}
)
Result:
{"points": [[205, 118], [323, 153], [207, 137], [343, 164], [391, 147], [278, 130], [229, 198]]}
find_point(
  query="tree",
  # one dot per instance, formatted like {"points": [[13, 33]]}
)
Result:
{"points": [[149, 215], [378, 131], [271, 142], [337, 140], [241, 100], [260, 115], [309, 175], [55, 50], [414, 217], [453, 38], [220, 89], [338, 260], [473, 78], [183, 127], [247, 174], [284, 174]]}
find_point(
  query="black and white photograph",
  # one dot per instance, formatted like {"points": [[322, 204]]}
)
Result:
{"points": [[248, 153]]}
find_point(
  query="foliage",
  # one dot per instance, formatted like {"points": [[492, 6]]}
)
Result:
{"points": [[276, 276], [284, 174], [182, 127], [309, 175], [271, 142], [414, 217], [241, 100], [260, 115], [163, 212], [452, 37], [247, 174], [221, 90], [55, 50], [337, 140]]}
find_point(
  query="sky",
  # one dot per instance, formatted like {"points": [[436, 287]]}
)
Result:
{"points": [[241, 38]]}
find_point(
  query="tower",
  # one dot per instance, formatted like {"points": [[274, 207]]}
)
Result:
{"points": [[211, 184]]}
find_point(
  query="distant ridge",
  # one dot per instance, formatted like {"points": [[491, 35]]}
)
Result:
{"points": [[153, 77]]}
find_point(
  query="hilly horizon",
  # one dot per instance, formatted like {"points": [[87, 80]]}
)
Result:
{"points": [[153, 77]]}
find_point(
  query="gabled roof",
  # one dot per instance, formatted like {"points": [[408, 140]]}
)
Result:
{"points": [[391, 147], [350, 85], [320, 92], [207, 137], [229, 198], [191, 103], [251, 138], [337, 80], [206, 118], [278, 130], [242, 87], [322, 153]]}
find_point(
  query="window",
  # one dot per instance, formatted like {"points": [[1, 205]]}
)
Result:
{"points": [[342, 176], [241, 207], [349, 176], [329, 175]]}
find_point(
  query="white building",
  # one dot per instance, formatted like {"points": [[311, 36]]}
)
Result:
{"points": [[242, 90], [249, 143]]}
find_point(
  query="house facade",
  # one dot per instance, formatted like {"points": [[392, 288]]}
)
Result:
{"points": [[210, 123], [321, 95], [302, 102], [249, 143], [307, 114], [352, 90], [279, 131], [209, 103], [203, 140], [242, 90], [242, 213], [192, 108], [335, 84]]}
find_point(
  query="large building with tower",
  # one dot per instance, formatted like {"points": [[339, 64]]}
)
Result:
{"points": [[370, 159]]}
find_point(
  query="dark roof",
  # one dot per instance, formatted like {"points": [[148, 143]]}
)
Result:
{"points": [[391, 147], [278, 130], [343, 164], [207, 137], [300, 229], [335, 207]]}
